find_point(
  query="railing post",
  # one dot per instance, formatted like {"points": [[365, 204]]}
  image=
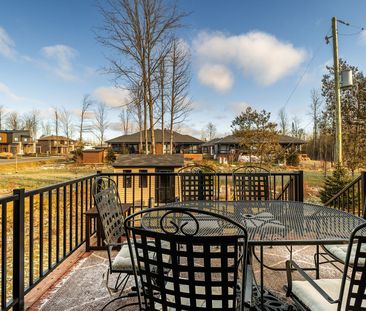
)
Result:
{"points": [[18, 250], [300, 187], [200, 186], [363, 193]]}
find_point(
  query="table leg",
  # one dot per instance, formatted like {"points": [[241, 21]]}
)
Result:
{"points": [[261, 276]]}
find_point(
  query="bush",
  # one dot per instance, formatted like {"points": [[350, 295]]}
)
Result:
{"points": [[110, 157], [6, 155], [335, 183], [293, 159]]}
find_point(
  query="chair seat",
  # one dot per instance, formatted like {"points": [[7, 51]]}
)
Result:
{"points": [[123, 261], [309, 296], [339, 251]]}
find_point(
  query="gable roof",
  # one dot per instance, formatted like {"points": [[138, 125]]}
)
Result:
{"points": [[177, 138], [54, 137], [232, 139], [150, 160]]}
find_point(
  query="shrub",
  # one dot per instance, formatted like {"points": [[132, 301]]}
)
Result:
{"points": [[335, 183], [293, 159], [110, 157]]}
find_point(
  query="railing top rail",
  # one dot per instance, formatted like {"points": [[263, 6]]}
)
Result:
{"points": [[8, 198], [203, 173], [352, 183], [58, 185]]}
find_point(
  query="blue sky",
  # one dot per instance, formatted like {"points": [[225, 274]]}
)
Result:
{"points": [[243, 53]]}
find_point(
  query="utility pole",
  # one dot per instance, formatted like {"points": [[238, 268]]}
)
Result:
{"points": [[337, 92]]}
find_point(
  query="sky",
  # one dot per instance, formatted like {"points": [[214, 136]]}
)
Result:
{"points": [[264, 54]]}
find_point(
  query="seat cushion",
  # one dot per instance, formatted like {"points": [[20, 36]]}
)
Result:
{"points": [[123, 261], [309, 296], [339, 251]]}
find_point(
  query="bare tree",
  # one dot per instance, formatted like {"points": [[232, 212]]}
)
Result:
{"points": [[137, 111], [56, 115], [85, 105], [211, 131], [180, 104], [31, 122], [46, 128], [315, 112], [13, 121], [139, 30], [296, 130], [2, 116], [283, 124], [66, 123], [161, 86], [101, 123], [124, 117]]}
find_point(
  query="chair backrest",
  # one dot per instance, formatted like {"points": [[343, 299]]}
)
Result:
{"points": [[197, 182], [180, 265], [108, 203], [356, 296], [251, 183]]}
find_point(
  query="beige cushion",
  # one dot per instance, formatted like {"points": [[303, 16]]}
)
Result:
{"points": [[123, 261], [314, 301], [340, 252]]}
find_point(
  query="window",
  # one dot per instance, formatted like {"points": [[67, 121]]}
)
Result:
{"points": [[127, 180], [143, 179]]}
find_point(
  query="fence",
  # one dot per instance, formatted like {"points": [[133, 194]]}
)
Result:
{"points": [[42, 227], [351, 198]]}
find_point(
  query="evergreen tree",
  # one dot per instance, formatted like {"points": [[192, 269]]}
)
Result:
{"points": [[110, 157], [334, 183]]}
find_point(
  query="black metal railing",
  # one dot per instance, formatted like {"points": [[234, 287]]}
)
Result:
{"points": [[42, 227], [39, 229], [351, 198]]}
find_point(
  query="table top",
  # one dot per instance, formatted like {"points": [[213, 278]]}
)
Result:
{"points": [[277, 222]]}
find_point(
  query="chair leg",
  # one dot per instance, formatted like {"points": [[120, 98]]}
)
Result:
{"points": [[124, 281]]}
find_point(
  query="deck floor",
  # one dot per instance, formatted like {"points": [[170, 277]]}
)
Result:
{"points": [[83, 288]]}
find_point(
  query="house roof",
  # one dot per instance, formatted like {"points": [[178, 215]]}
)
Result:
{"points": [[177, 138], [232, 139], [142, 160], [54, 137]]}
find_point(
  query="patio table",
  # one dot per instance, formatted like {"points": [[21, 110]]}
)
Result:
{"points": [[279, 222]]}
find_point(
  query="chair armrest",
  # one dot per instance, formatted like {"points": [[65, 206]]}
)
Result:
{"points": [[290, 264]]}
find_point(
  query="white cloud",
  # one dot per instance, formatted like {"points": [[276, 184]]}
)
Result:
{"points": [[238, 107], [260, 55], [218, 77], [62, 57], [112, 96], [9, 94], [7, 45]]}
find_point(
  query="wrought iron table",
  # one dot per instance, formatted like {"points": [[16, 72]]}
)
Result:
{"points": [[279, 222]]}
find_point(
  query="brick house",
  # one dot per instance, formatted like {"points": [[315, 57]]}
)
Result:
{"points": [[16, 142], [55, 145]]}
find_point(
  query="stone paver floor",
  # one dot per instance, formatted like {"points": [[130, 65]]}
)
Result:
{"points": [[83, 288]]}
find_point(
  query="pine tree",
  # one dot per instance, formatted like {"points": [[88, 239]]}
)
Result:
{"points": [[110, 157], [334, 183]]}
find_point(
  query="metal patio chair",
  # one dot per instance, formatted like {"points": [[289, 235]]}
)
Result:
{"points": [[197, 182], [177, 264], [334, 294], [108, 203], [251, 183], [333, 253]]}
